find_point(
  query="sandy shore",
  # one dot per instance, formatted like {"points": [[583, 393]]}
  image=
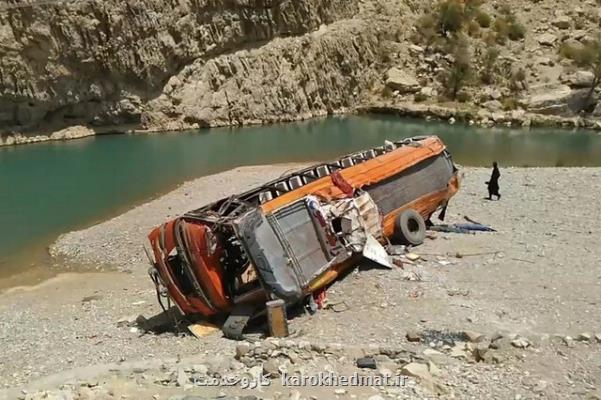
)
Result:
{"points": [[539, 277], [118, 242]]}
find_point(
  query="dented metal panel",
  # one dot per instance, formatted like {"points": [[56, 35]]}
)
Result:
{"points": [[268, 255], [295, 227], [428, 176]]}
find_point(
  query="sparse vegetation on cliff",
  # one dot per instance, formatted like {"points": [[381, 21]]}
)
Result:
{"points": [[588, 57], [468, 38], [459, 72]]}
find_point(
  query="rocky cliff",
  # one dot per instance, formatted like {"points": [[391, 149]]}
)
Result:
{"points": [[288, 79], [100, 62], [169, 65]]}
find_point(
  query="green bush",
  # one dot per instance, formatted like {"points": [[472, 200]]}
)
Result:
{"points": [[471, 8], [473, 29], [509, 104], [463, 97], [490, 68], [450, 16], [517, 81], [460, 71], [508, 27], [483, 19], [427, 29], [501, 28], [516, 31], [520, 75], [588, 55], [568, 51]]}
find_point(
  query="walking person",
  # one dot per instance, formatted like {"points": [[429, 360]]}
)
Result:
{"points": [[493, 184]]}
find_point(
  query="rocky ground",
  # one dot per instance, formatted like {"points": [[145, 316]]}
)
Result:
{"points": [[159, 66], [506, 315]]}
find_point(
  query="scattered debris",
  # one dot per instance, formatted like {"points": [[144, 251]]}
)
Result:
{"points": [[445, 337], [338, 307], [470, 228], [398, 262], [277, 318], [396, 250], [412, 256], [374, 251], [202, 329], [485, 253], [367, 362]]}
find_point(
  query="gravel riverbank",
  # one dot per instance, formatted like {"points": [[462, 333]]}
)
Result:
{"points": [[535, 282]]}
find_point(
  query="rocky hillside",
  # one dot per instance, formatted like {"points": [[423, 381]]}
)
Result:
{"points": [[100, 62], [510, 61], [165, 65]]}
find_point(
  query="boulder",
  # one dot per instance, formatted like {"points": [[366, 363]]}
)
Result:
{"points": [[423, 374], [271, 368], [546, 39], [474, 337], [413, 336], [578, 34], [498, 116], [416, 370], [521, 343], [481, 352], [242, 350], [562, 22], [72, 132], [581, 79], [493, 105], [428, 91], [415, 49], [402, 81], [556, 99], [545, 61]]}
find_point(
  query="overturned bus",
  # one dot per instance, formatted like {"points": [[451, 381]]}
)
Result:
{"points": [[293, 236]]}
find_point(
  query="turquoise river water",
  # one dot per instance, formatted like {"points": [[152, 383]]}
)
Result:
{"points": [[50, 188]]}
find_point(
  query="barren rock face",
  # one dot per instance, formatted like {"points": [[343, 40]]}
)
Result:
{"points": [[99, 62], [288, 79]]}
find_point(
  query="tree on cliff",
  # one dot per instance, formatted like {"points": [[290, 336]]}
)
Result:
{"points": [[460, 70], [588, 57]]}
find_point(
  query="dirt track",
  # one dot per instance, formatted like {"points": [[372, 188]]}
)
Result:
{"points": [[539, 276]]}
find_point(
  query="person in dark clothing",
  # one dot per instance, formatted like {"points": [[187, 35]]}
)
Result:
{"points": [[493, 184]]}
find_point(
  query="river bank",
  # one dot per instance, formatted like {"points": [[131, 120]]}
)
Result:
{"points": [[304, 60], [536, 277], [463, 114]]}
